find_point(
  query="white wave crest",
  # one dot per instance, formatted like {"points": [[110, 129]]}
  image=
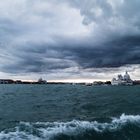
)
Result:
{"points": [[48, 130], [17, 135]]}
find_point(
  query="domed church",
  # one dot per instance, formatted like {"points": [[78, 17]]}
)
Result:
{"points": [[122, 80]]}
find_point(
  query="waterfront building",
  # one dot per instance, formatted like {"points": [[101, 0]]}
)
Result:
{"points": [[41, 81], [122, 80], [6, 81]]}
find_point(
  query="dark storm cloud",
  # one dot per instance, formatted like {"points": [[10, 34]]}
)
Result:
{"points": [[35, 58], [45, 57], [62, 35], [116, 53]]}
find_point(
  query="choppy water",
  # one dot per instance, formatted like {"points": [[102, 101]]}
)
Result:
{"points": [[69, 112]]}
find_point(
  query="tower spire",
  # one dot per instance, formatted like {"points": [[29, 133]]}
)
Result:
{"points": [[126, 72]]}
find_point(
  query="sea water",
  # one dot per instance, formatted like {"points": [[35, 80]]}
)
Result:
{"points": [[69, 112]]}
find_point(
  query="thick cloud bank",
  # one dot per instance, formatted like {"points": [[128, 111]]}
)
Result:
{"points": [[72, 38]]}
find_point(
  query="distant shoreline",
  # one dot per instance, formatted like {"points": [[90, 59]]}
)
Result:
{"points": [[40, 81]]}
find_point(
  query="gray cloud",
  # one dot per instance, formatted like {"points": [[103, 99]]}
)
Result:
{"points": [[45, 57], [68, 36], [112, 54]]}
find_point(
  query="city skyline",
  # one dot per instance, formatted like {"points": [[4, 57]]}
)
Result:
{"points": [[69, 40]]}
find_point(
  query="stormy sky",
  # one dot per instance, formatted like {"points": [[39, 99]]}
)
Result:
{"points": [[69, 39]]}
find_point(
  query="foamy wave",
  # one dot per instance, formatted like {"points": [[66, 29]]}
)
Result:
{"points": [[49, 130]]}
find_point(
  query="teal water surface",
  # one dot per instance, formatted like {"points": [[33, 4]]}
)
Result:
{"points": [[69, 112]]}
